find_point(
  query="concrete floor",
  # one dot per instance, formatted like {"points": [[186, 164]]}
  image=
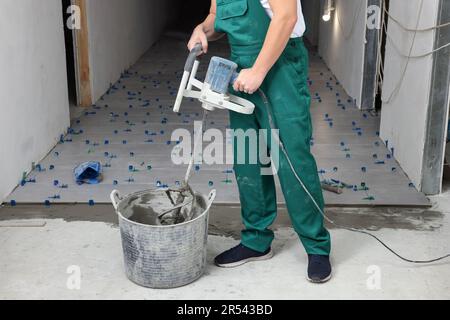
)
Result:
{"points": [[39, 245]]}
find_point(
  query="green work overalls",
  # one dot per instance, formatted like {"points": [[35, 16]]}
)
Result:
{"points": [[246, 23]]}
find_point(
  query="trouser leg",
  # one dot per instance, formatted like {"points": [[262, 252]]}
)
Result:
{"points": [[257, 191], [289, 97]]}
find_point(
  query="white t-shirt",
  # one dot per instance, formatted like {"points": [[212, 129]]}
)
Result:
{"points": [[300, 27]]}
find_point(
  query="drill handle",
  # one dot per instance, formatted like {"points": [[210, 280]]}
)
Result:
{"points": [[192, 57]]}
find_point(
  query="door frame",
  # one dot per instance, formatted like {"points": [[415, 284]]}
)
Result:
{"points": [[438, 109], [371, 60], [81, 54]]}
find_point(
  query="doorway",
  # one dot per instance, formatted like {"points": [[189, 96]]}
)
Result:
{"points": [[69, 41], [192, 13], [77, 54], [382, 34]]}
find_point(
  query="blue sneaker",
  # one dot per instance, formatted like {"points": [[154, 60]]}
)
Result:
{"points": [[319, 268], [241, 255]]}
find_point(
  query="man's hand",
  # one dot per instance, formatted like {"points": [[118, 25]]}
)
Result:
{"points": [[249, 81], [199, 36], [205, 31]]}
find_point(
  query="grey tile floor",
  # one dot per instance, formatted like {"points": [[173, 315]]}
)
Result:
{"points": [[131, 126]]}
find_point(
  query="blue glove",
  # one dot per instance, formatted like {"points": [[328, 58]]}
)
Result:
{"points": [[88, 172]]}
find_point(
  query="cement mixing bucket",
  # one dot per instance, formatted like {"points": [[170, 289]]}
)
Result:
{"points": [[163, 257]]}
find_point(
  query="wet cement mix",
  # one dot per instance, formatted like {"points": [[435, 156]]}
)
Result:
{"points": [[164, 207]]}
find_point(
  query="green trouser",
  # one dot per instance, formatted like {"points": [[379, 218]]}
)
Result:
{"points": [[246, 24]]}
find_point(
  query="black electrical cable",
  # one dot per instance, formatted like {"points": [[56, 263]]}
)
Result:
{"points": [[283, 149]]}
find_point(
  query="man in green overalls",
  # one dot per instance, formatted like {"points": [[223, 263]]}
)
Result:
{"points": [[266, 43]]}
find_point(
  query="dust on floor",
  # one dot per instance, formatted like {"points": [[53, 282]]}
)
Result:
{"points": [[43, 251]]}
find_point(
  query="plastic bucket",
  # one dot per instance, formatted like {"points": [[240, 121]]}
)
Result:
{"points": [[163, 257]]}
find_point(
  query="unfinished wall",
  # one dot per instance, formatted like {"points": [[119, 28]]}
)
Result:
{"points": [[403, 120], [311, 11], [33, 87], [342, 42], [119, 33]]}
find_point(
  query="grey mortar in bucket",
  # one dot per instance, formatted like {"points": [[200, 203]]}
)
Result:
{"points": [[163, 253]]}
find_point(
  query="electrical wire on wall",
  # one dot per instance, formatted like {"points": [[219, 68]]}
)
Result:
{"points": [[413, 30], [385, 32], [423, 55], [399, 84]]}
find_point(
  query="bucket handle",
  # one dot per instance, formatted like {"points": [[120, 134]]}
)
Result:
{"points": [[115, 199], [211, 198]]}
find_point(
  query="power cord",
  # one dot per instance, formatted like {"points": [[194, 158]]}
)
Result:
{"points": [[283, 149]]}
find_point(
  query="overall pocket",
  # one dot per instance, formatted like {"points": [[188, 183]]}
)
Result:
{"points": [[232, 19], [297, 61], [227, 9]]}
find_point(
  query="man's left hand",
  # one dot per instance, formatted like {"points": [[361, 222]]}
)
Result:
{"points": [[249, 81]]}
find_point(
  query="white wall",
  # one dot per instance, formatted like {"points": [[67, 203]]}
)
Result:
{"points": [[120, 31], [33, 85], [311, 11], [403, 120], [342, 44]]}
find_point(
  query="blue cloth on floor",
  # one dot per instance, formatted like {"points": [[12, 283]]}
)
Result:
{"points": [[88, 173]]}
